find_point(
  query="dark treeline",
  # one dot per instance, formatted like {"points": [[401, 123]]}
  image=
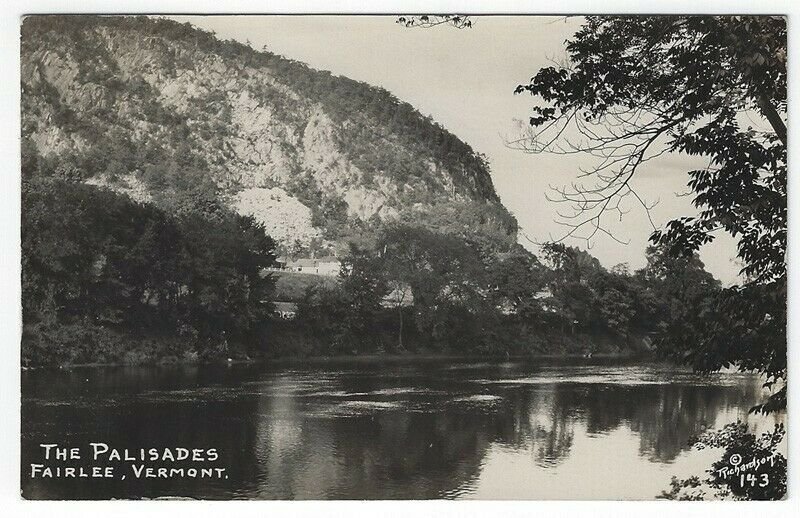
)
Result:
{"points": [[106, 279], [421, 290]]}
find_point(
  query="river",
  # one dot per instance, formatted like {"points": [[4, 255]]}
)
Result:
{"points": [[533, 429]]}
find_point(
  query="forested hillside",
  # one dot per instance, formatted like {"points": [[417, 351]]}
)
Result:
{"points": [[163, 171], [169, 114]]}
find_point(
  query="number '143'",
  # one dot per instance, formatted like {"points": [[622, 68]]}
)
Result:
{"points": [[749, 478]]}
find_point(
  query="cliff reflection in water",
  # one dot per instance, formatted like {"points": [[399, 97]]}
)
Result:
{"points": [[411, 431]]}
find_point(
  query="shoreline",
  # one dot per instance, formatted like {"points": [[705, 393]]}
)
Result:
{"points": [[363, 359]]}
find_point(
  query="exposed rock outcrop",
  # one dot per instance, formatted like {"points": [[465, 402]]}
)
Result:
{"points": [[166, 106]]}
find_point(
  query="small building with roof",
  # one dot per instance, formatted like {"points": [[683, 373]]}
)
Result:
{"points": [[329, 266]]}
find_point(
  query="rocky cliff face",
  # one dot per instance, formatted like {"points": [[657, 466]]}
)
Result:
{"points": [[163, 112]]}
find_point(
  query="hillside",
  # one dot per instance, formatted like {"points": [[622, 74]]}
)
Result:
{"points": [[170, 115], [163, 171]]}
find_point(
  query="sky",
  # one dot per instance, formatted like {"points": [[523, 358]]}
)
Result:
{"points": [[465, 80]]}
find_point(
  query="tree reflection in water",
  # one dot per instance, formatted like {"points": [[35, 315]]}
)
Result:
{"points": [[411, 431]]}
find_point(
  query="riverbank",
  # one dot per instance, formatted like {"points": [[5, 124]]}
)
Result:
{"points": [[285, 342], [365, 359], [362, 360]]}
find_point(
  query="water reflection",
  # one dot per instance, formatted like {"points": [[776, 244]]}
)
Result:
{"points": [[388, 431]]}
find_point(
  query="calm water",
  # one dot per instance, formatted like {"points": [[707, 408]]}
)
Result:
{"points": [[412, 430]]}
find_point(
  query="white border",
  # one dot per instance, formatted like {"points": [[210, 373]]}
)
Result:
{"points": [[9, 264]]}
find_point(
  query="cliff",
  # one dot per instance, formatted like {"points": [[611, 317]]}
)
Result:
{"points": [[168, 114]]}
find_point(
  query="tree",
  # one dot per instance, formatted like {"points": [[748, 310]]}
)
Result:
{"points": [[516, 279], [571, 271], [685, 299], [363, 284], [765, 480], [638, 87], [94, 260], [458, 21], [445, 275]]}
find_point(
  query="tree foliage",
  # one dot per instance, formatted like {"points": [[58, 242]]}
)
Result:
{"points": [[413, 287], [751, 468], [97, 260], [459, 21], [638, 87]]}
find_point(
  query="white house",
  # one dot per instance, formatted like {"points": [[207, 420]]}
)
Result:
{"points": [[329, 266]]}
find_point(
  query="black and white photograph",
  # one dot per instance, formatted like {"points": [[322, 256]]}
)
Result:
{"points": [[388, 256]]}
